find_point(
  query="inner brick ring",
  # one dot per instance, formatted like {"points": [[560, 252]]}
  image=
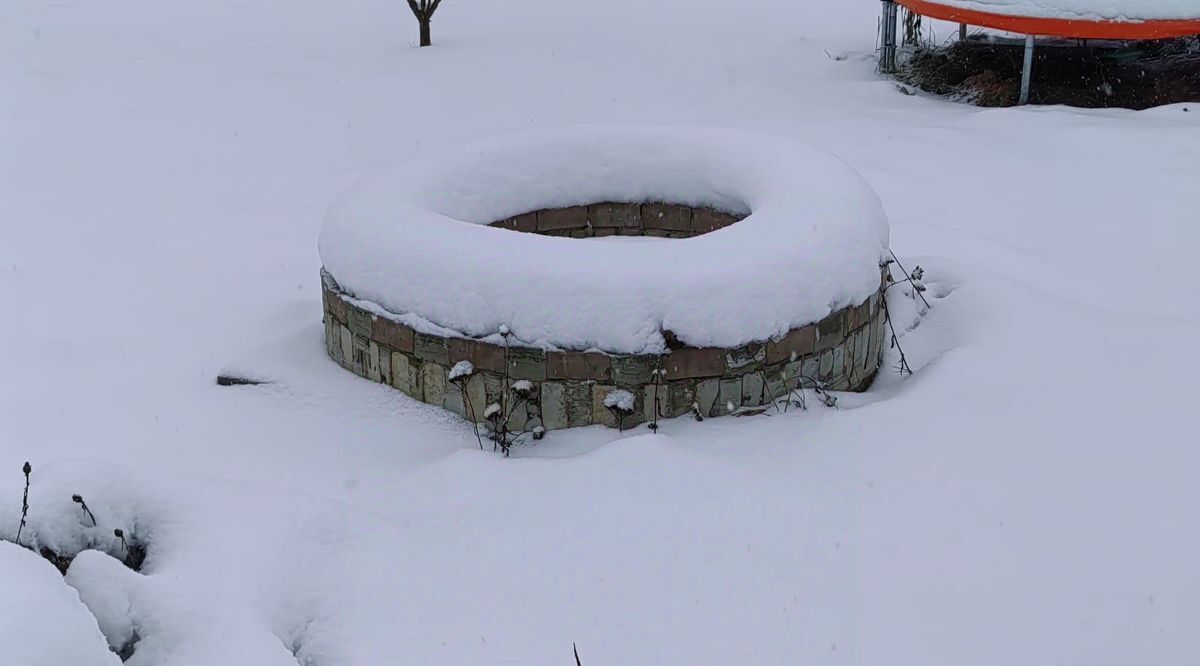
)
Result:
{"points": [[662, 220]]}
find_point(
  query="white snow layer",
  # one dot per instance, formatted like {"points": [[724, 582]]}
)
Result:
{"points": [[414, 238], [620, 399], [1027, 497], [44, 623], [1087, 10], [462, 369]]}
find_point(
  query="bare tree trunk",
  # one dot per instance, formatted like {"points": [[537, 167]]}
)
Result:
{"points": [[425, 40]]}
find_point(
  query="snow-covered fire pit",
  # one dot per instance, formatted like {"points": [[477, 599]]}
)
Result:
{"points": [[464, 281]]}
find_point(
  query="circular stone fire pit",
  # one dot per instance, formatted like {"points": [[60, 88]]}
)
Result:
{"points": [[765, 273]]}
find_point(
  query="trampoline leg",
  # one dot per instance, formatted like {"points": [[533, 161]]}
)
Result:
{"points": [[1026, 71], [962, 32], [887, 38]]}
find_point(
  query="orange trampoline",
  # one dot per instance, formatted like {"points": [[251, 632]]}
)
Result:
{"points": [[1076, 19], [1046, 21]]}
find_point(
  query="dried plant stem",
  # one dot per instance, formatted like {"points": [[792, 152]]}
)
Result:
{"points": [[27, 469]]}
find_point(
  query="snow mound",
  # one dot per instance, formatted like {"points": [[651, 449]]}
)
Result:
{"points": [[414, 238], [45, 624], [462, 369], [619, 399], [1086, 10]]}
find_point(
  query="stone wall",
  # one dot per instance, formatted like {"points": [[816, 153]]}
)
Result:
{"points": [[621, 219], [842, 352]]}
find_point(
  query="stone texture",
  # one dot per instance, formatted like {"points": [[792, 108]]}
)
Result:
{"points": [[358, 356], [830, 331], [346, 343], [574, 217], [793, 372], [569, 387], [683, 394], [775, 382], [393, 334], [632, 370], [518, 413], [811, 369], [431, 348], [826, 368], [730, 395], [668, 217], [476, 397], [335, 306], [453, 402], [601, 414], [862, 342], [578, 365], [526, 222], [752, 389], [401, 379], [373, 370], [839, 383], [797, 343], [333, 346], [707, 393], [433, 383], [482, 355], [615, 215], [660, 393], [493, 391], [526, 363], [694, 362], [359, 321], [385, 365], [705, 220], [855, 345], [406, 376], [577, 401], [747, 358], [554, 408], [858, 315]]}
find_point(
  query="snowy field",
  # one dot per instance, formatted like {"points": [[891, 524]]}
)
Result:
{"points": [[1028, 496]]}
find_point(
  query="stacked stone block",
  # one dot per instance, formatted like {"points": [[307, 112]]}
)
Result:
{"points": [[841, 351], [621, 219]]}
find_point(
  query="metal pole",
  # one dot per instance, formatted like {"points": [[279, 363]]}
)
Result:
{"points": [[1026, 71], [962, 32], [887, 38]]}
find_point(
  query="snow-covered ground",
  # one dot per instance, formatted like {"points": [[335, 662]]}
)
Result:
{"points": [[1029, 496]]}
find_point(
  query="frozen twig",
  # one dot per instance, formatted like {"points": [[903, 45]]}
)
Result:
{"points": [[27, 469], [83, 505]]}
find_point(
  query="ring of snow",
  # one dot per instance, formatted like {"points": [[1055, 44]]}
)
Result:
{"points": [[415, 239]]}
